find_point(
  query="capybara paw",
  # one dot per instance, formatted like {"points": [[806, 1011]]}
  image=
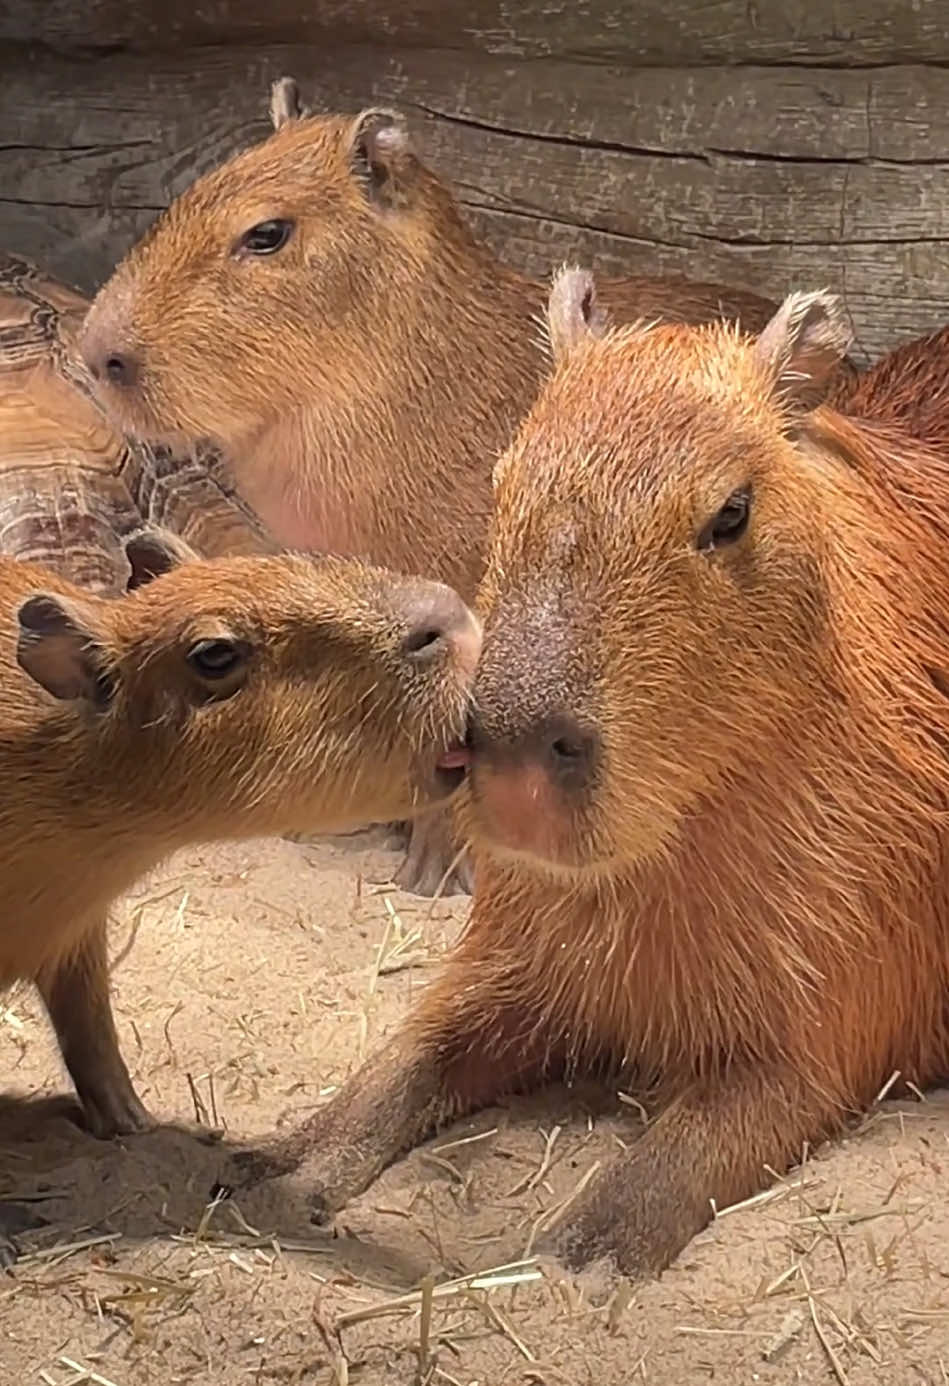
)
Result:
{"points": [[115, 1112], [578, 1242], [330, 1180], [397, 837], [245, 1168], [593, 1239], [321, 1214], [461, 880], [14, 1219], [423, 873]]}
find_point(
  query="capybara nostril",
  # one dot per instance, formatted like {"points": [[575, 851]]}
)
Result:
{"points": [[120, 368], [440, 622], [423, 639], [106, 349], [571, 752], [566, 752]]}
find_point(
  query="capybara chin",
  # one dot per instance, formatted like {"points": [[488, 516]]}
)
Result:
{"points": [[222, 699], [716, 656], [318, 308]]}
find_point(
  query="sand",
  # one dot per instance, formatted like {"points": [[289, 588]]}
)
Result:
{"points": [[252, 986]]}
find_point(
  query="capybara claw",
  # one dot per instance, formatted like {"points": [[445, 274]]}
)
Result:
{"points": [[245, 1168], [14, 1219], [321, 1215], [433, 865], [116, 1113]]}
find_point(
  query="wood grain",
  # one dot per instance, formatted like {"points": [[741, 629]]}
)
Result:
{"points": [[770, 177], [645, 33]]}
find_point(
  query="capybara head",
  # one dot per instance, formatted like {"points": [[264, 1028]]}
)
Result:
{"points": [[272, 281], [653, 603], [262, 694]]}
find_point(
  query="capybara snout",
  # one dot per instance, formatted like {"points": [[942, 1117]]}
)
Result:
{"points": [[650, 615]]}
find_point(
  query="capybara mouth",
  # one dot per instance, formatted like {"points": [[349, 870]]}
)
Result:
{"points": [[150, 428], [451, 768]]}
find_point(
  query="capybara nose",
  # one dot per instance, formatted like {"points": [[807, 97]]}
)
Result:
{"points": [[566, 751], [569, 751], [108, 358], [119, 368], [441, 621]]}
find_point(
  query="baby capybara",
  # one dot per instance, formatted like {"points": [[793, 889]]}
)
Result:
{"points": [[222, 699]]}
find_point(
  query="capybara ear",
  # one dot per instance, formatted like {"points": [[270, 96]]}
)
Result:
{"points": [[573, 311], [381, 154], [152, 551], [60, 646], [285, 103], [802, 346]]}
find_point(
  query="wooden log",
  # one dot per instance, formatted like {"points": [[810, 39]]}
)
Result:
{"points": [[767, 177], [649, 32]]}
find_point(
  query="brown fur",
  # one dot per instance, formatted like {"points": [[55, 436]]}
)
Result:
{"points": [[362, 380], [115, 752], [748, 908], [908, 387]]}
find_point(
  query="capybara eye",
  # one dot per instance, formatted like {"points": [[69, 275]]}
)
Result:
{"points": [[729, 524], [216, 659], [266, 237]]}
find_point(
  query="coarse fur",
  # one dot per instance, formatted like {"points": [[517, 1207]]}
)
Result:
{"points": [[362, 380], [744, 905], [71, 489], [908, 387], [338, 685]]}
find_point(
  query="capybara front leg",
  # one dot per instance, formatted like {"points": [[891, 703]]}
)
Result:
{"points": [[76, 993], [716, 1145], [14, 1219], [386, 1107], [422, 1079], [434, 862]]}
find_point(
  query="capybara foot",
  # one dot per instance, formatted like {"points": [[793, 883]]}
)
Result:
{"points": [[329, 1167], [398, 837], [115, 1110], [433, 865], [245, 1168], [333, 1179], [14, 1219], [580, 1241]]}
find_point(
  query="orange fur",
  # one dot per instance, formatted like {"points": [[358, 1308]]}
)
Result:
{"points": [[909, 387], [327, 723], [748, 910], [362, 381]]}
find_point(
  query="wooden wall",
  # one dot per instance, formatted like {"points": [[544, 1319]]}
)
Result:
{"points": [[771, 145]]}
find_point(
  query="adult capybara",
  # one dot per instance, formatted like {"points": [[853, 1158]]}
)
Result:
{"points": [[709, 778], [908, 387], [318, 308], [223, 699]]}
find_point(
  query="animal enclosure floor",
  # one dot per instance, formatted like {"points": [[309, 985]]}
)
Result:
{"points": [[258, 977]]}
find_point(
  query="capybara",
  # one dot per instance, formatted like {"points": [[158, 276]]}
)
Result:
{"points": [[221, 699], [319, 310], [708, 782], [908, 387]]}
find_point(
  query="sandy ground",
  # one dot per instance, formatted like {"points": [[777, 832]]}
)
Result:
{"points": [[252, 987]]}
